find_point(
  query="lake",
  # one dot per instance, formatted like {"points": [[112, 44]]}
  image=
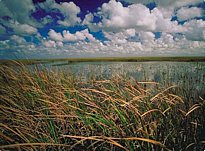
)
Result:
{"points": [[187, 75]]}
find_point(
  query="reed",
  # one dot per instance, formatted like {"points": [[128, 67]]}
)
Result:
{"points": [[45, 110]]}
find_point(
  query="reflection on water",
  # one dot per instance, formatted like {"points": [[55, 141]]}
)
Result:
{"points": [[188, 75]]}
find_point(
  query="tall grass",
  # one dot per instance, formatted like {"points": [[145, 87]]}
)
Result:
{"points": [[45, 110]]}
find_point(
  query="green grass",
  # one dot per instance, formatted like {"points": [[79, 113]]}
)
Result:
{"points": [[44, 110]]}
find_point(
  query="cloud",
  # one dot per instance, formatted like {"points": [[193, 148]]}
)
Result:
{"points": [[16, 16], [55, 36], [186, 13], [180, 3], [4, 10], [17, 10], [24, 29], [167, 44], [68, 9], [17, 39], [163, 21], [116, 17], [195, 30], [166, 3], [126, 30], [4, 45], [66, 36], [120, 37], [147, 37], [19, 29], [52, 44], [22, 22], [145, 43]]}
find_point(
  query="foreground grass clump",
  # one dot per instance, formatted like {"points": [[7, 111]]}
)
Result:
{"points": [[43, 110]]}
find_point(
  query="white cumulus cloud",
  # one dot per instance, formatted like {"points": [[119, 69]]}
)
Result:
{"points": [[24, 29], [186, 13], [164, 23], [17, 39], [69, 9], [166, 3], [195, 30], [52, 44], [55, 36], [128, 30], [116, 17], [66, 36]]}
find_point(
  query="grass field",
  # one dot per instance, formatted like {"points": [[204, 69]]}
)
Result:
{"points": [[45, 110]]}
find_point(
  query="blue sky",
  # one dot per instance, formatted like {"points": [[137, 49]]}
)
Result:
{"points": [[101, 28]]}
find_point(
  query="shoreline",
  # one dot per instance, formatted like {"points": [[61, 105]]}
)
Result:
{"points": [[110, 59]]}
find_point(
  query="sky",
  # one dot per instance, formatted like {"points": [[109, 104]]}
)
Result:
{"points": [[101, 28]]}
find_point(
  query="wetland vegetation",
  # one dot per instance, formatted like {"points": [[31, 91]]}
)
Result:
{"points": [[159, 107]]}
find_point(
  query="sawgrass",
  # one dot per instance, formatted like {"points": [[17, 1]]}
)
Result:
{"points": [[45, 110]]}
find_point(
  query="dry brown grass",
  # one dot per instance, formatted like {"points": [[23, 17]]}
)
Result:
{"points": [[43, 110]]}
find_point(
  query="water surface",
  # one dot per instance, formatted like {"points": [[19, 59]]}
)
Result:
{"points": [[187, 75]]}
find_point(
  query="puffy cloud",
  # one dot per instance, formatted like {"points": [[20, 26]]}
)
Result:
{"points": [[166, 3], [116, 38], [120, 37], [130, 32], [66, 36], [24, 29], [49, 43], [167, 12], [127, 30], [145, 43], [19, 29], [55, 36], [166, 41], [16, 15], [88, 35], [22, 22], [59, 44], [116, 17], [52, 44], [17, 39], [179, 3], [17, 10], [167, 44], [195, 30], [68, 9], [79, 35], [164, 23], [186, 13], [147, 37]]}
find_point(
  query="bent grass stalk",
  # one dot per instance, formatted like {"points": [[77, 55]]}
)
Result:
{"points": [[46, 110]]}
